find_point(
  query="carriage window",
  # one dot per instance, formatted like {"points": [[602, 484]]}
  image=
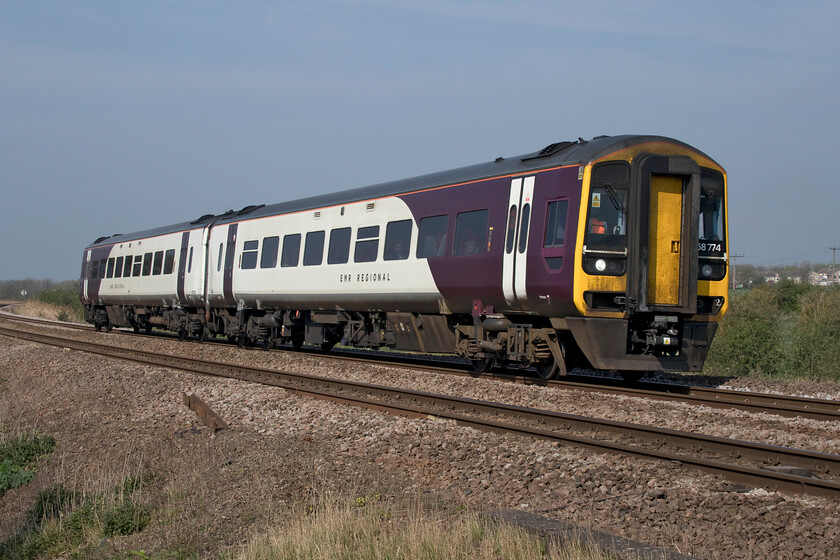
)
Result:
{"points": [[291, 250], [431, 241], [397, 240], [249, 254], [313, 253], [189, 261], [138, 265], [127, 267], [169, 262], [158, 263], [339, 251], [118, 268], [471, 232], [555, 223], [270, 247], [219, 263], [110, 273], [147, 264], [367, 244], [94, 269]]}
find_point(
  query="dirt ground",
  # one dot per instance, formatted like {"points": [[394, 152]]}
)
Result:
{"points": [[209, 493]]}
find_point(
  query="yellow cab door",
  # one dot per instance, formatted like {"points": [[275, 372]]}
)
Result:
{"points": [[662, 274], [664, 240]]}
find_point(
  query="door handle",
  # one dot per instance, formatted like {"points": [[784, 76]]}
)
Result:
{"points": [[675, 246]]}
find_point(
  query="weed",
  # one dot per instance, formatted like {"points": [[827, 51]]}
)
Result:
{"points": [[18, 457]]}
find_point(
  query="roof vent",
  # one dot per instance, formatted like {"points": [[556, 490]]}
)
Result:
{"points": [[204, 218], [317, 214], [371, 206], [250, 208], [550, 150]]}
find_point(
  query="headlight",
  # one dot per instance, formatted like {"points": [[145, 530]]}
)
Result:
{"points": [[711, 271], [600, 265]]}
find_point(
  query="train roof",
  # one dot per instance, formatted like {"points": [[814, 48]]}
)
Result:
{"points": [[558, 154]]}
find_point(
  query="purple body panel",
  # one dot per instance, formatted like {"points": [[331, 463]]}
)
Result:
{"points": [[555, 286], [464, 279], [97, 254]]}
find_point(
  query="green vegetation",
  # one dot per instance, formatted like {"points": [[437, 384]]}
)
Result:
{"points": [[785, 330], [18, 457], [369, 528], [64, 522]]}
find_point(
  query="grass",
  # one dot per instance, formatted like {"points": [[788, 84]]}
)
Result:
{"points": [[372, 528], [51, 311], [65, 522], [18, 458]]}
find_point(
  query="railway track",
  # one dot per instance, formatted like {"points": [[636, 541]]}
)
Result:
{"points": [[750, 463], [783, 405]]}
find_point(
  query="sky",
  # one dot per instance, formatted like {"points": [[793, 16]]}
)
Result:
{"points": [[121, 116]]}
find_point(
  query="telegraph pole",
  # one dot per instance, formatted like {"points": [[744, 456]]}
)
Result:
{"points": [[732, 267], [833, 262]]}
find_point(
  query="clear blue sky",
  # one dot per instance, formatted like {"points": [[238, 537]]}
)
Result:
{"points": [[118, 116]]}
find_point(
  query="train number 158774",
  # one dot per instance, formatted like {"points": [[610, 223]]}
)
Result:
{"points": [[710, 247]]}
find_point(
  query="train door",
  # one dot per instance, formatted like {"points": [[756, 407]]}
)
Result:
{"points": [[85, 275], [516, 242], [667, 197], [230, 252], [182, 267]]}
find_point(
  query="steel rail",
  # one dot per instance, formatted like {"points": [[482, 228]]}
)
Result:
{"points": [[783, 405], [422, 404]]}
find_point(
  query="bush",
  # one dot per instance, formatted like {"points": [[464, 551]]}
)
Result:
{"points": [[748, 340], [787, 330], [66, 298], [815, 336]]}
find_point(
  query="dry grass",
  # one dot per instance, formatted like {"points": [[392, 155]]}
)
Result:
{"points": [[372, 528], [35, 308]]}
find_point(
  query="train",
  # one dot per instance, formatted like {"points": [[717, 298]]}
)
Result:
{"points": [[606, 254]]}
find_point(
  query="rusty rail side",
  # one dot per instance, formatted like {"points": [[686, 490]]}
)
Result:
{"points": [[366, 395]]}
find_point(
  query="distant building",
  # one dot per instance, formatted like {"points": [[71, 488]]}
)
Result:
{"points": [[824, 277]]}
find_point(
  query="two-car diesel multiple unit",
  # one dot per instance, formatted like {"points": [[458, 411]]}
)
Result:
{"points": [[608, 253]]}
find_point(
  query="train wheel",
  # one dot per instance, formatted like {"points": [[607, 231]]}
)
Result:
{"points": [[97, 327], [267, 343], [550, 369], [202, 335], [182, 334], [148, 328], [297, 339], [483, 365], [241, 340], [135, 327], [109, 327]]}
